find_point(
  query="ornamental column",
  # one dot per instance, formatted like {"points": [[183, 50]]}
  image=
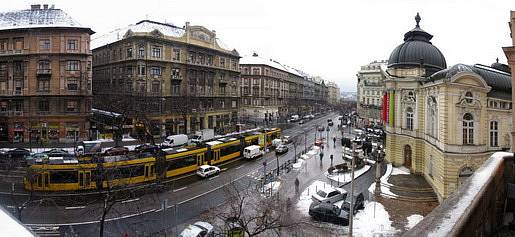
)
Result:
{"points": [[510, 55]]}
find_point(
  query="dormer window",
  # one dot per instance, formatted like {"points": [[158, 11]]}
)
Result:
{"points": [[468, 97]]}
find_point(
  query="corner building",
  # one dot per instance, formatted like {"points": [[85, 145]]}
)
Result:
{"points": [[177, 79], [45, 76], [443, 123]]}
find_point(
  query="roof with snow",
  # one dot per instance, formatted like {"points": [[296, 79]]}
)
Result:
{"points": [[38, 18], [146, 26]]}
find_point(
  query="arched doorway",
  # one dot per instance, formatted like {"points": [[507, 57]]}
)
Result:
{"points": [[464, 174], [407, 156]]}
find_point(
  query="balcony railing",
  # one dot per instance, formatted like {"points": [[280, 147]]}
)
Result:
{"points": [[478, 207], [44, 71]]}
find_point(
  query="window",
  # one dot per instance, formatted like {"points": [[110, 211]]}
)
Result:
{"points": [[209, 60], [44, 66], [18, 85], [141, 69], [128, 70], [222, 104], [72, 65], [4, 44], [72, 44], [18, 44], [155, 71], [43, 84], [176, 87], [176, 73], [234, 103], [468, 97], [129, 52], [71, 106], [468, 129], [156, 52], [192, 57], [494, 134], [44, 44], [222, 89], [255, 71], [44, 106], [3, 106], [409, 119], [176, 54], [72, 84], [141, 52], [156, 87], [222, 62]]}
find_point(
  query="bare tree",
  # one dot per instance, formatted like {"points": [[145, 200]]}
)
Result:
{"points": [[295, 141], [254, 214]]}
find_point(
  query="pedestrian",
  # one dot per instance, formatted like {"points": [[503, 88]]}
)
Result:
{"points": [[297, 183], [334, 141]]}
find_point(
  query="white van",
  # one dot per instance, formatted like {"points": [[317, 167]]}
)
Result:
{"points": [[176, 140], [252, 152]]}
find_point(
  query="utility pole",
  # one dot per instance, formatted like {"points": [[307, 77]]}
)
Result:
{"points": [[351, 214]]}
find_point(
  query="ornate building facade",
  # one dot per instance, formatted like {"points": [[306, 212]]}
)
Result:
{"points": [[510, 55], [180, 79], [270, 89], [442, 123], [45, 76], [333, 93], [370, 90]]}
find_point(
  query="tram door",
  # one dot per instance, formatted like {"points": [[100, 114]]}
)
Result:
{"points": [[216, 155], [150, 170], [43, 181], [84, 179], [200, 159]]}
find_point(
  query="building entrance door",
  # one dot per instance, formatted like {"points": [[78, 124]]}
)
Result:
{"points": [[407, 156]]}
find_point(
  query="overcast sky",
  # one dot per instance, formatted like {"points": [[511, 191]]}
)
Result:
{"points": [[331, 39]]}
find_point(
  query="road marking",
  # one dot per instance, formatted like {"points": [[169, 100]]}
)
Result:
{"points": [[73, 208], [12, 207], [179, 189], [130, 200], [239, 167], [213, 177]]}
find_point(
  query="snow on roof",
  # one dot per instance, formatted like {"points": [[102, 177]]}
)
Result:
{"points": [[144, 26], [107, 113], [37, 18]]}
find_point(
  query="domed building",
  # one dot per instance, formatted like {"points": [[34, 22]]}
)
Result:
{"points": [[443, 123]]}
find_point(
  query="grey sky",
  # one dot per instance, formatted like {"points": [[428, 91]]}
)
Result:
{"points": [[327, 38]]}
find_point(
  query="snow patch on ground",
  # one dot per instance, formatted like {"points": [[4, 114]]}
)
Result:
{"points": [[346, 177], [271, 188], [413, 220], [373, 220], [400, 170], [305, 197], [299, 164]]}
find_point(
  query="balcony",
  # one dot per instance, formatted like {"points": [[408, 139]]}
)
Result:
{"points": [[479, 207], [44, 72]]}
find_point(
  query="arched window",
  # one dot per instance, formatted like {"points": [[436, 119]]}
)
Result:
{"points": [[468, 97], [494, 134], [468, 129], [432, 121], [409, 119]]}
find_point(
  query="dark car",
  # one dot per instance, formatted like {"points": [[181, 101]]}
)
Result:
{"points": [[117, 150], [358, 203], [321, 128], [330, 123], [301, 122], [329, 213], [281, 149], [147, 148]]}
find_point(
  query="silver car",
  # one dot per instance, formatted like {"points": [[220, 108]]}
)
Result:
{"points": [[329, 195]]}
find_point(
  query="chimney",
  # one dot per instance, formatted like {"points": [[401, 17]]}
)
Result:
{"points": [[35, 7], [45, 6]]}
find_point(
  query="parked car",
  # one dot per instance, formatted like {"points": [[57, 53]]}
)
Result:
{"points": [[117, 150], [321, 128], [301, 121], [329, 213], [287, 140], [205, 171], [329, 195], [358, 203], [176, 140], [146, 148], [281, 149], [198, 229], [330, 123]]}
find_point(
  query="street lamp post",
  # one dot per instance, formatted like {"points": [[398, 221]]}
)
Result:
{"points": [[354, 156]]}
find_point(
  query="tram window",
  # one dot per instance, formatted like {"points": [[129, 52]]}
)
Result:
{"points": [[126, 172], [40, 180], [63, 177], [88, 178], [229, 150], [177, 163], [152, 170]]}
